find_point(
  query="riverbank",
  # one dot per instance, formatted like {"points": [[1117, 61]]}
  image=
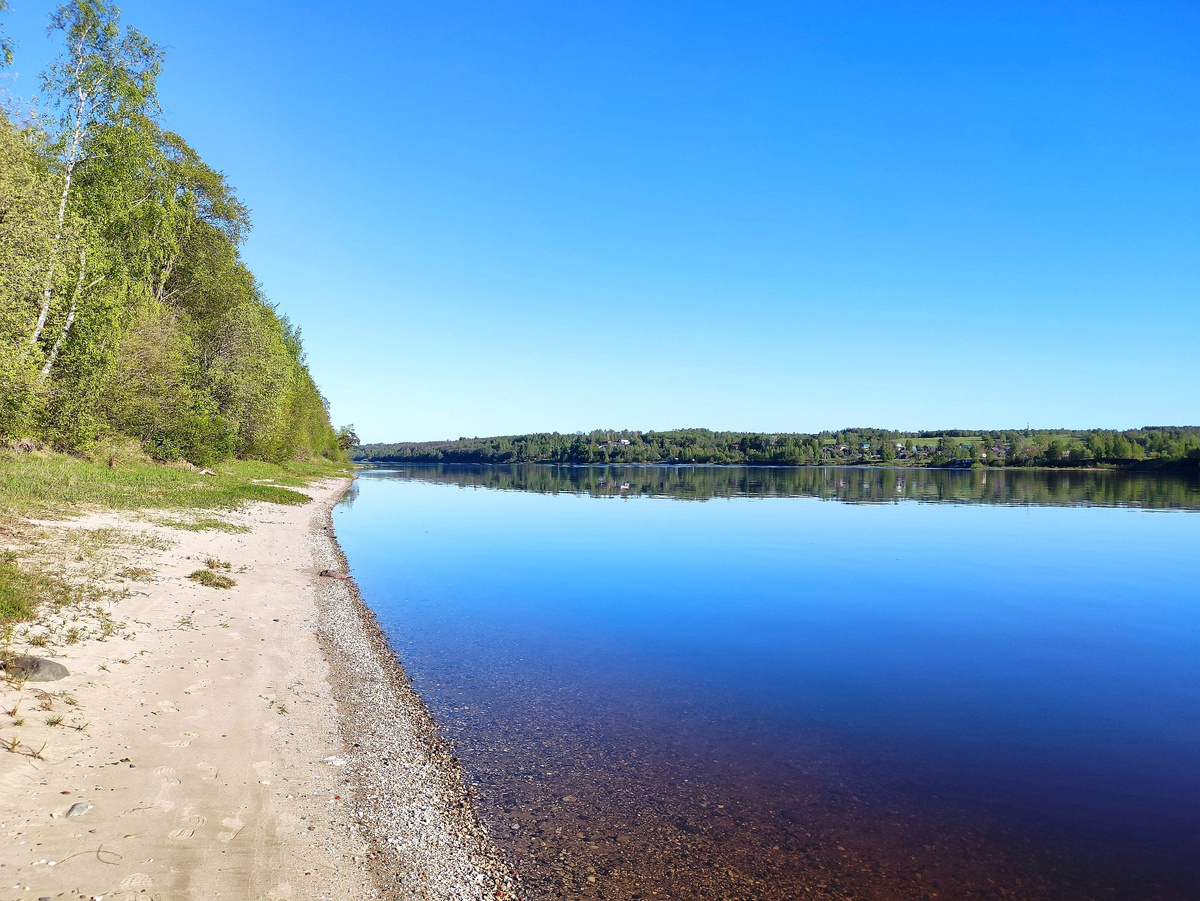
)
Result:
{"points": [[255, 741]]}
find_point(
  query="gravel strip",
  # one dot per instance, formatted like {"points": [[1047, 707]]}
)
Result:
{"points": [[407, 787]]}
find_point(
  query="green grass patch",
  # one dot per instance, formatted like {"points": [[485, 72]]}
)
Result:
{"points": [[57, 484], [203, 524], [212, 579], [16, 600], [22, 591]]}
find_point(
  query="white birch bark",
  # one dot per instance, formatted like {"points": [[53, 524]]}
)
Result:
{"points": [[83, 99], [70, 321]]}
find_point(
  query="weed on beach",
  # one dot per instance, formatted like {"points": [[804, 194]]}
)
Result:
{"points": [[16, 598], [212, 579], [203, 524], [24, 589], [93, 544], [136, 574]]}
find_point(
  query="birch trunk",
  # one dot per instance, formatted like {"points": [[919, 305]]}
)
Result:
{"points": [[82, 98], [66, 329]]}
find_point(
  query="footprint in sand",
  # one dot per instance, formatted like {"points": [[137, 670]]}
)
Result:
{"points": [[170, 778], [191, 823], [234, 825], [196, 686], [166, 707], [137, 882], [199, 661], [167, 774], [184, 741]]}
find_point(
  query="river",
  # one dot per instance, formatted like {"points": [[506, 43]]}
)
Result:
{"points": [[763, 683]]}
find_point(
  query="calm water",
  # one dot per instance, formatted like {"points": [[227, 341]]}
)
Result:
{"points": [[777, 684]]}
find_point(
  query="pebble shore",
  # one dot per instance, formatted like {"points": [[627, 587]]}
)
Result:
{"points": [[406, 787]]}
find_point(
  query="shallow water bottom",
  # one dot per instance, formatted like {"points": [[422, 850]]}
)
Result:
{"points": [[585, 809]]}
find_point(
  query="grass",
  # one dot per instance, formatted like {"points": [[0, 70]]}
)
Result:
{"points": [[202, 524], [93, 544], [48, 486], [212, 579], [22, 591], [16, 600], [57, 484], [136, 574]]}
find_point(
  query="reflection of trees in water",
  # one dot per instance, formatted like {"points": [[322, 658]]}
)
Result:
{"points": [[852, 485], [351, 495]]}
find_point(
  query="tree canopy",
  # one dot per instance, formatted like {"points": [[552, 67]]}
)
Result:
{"points": [[125, 306]]}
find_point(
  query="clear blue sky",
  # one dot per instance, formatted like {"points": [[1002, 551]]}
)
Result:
{"points": [[500, 217]]}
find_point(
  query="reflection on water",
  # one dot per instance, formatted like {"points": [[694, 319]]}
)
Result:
{"points": [[995, 695], [1109, 488]]}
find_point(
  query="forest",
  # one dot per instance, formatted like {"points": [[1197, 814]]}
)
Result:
{"points": [[126, 311], [1151, 447]]}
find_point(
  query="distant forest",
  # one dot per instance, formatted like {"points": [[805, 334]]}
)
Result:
{"points": [[1151, 447]]}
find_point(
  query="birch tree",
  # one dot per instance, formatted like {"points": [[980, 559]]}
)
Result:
{"points": [[105, 76]]}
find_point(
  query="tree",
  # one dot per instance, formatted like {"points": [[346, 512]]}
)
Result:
{"points": [[6, 42], [347, 438], [106, 76], [27, 204]]}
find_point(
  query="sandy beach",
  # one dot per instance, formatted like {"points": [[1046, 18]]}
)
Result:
{"points": [[252, 742]]}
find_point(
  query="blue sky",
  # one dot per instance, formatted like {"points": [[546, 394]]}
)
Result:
{"points": [[502, 217]]}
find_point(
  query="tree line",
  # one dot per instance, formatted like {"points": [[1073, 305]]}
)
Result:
{"points": [[126, 310], [1146, 447]]}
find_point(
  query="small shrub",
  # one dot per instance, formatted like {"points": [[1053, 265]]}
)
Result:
{"points": [[212, 579]]}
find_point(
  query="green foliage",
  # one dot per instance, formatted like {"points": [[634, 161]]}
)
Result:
{"points": [[28, 209], [1159, 446], [6, 44], [125, 307]]}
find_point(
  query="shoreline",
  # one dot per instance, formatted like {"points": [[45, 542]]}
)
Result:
{"points": [[256, 742], [411, 796]]}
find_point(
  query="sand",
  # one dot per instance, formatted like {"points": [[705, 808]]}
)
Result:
{"points": [[219, 754]]}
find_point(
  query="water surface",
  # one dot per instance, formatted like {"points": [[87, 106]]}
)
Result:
{"points": [[848, 683]]}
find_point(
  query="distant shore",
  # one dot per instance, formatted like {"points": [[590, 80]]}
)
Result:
{"points": [[1146, 466], [952, 448]]}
